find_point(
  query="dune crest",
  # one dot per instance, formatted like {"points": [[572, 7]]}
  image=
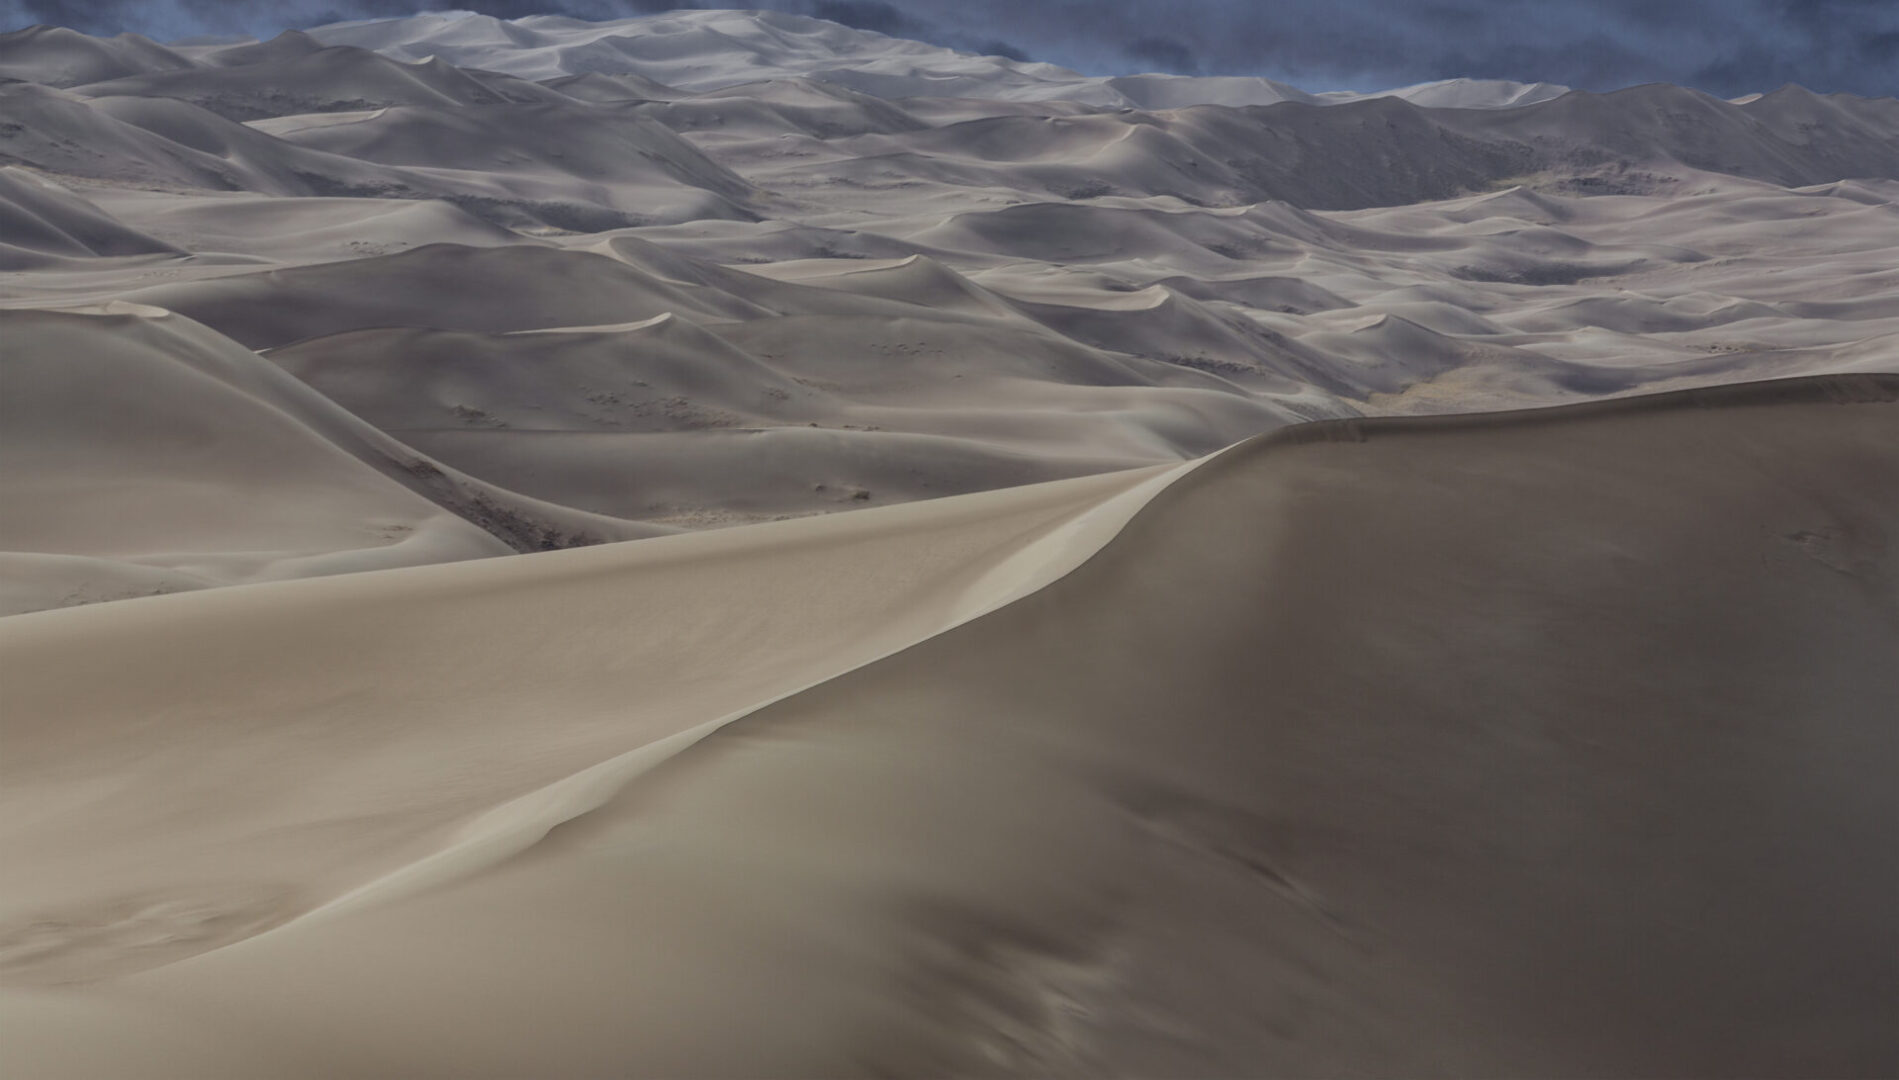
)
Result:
{"points": [[1120, 882]]}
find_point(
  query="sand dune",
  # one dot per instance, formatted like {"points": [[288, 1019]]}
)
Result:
{"points": [[460, 288], [618, 147], [1129, 575], [56, 56], [280, 81], [631, 419], [295, 229], [942, 298], [803, 601], [702, 51], [153, 455], [1003, 850], [43, 223]]}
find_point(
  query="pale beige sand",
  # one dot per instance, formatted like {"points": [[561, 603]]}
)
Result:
{"points": [[785, 284], [1548, 743], [1541, 744], [147, 454], [395, 707]]}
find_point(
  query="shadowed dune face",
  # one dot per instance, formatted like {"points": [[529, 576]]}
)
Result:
{"points": [[1547, 745], [150, 455], [1551, 743]]}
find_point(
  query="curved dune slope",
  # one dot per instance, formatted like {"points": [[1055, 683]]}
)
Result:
{"points": [[359, 766], [786, 285], [1541, 743], [44, 225], [148, 454]]}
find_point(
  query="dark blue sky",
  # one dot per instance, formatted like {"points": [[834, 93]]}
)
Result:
{"points": [[1725, 46]]}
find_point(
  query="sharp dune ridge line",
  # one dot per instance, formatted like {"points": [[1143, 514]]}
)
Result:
{"points": [[847, 590], [723, 544]]}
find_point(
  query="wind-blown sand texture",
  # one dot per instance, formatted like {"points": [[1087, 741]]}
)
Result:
{"points": [[1331, 585]]}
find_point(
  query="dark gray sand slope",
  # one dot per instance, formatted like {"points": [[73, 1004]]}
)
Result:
{"points": [[1542, 743]]}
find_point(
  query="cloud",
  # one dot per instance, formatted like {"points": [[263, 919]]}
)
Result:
{"points": [[1166, 53], [1725, 46], [869, 15], [887, 18], [1000, 48]]}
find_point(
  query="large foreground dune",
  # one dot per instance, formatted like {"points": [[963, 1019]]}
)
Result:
{"points": [[1551, 743]]}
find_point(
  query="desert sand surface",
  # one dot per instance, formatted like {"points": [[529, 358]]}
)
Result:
{"points": [[1363, 749], [715, 268], [723, 544]]}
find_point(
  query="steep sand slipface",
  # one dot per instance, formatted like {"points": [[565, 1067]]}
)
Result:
{"points": [[1546, 743], [182, 770], [147, 454]]}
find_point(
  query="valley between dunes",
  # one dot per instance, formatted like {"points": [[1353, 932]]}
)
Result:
{"points": [[720, 544]]}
